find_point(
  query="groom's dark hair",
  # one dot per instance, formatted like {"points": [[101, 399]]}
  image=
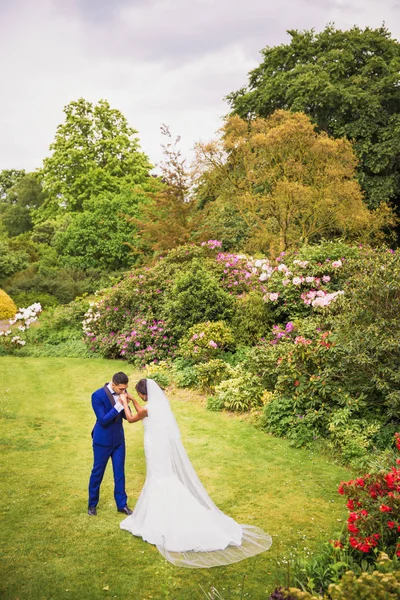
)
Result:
{"points": [[120, 378]]}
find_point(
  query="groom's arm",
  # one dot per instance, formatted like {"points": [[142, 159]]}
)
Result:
{"points": [[103, 417]]}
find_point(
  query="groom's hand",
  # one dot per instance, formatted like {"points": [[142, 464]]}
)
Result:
{"points": [[123, 398], [130, 398]]}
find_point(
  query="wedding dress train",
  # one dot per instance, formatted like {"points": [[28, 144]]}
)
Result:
{"points": [[174, 511]]}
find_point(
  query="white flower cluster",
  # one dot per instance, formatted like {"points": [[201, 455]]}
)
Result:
{"points": [[259, 264], [91, 316], [27, 315], [326, 299]]}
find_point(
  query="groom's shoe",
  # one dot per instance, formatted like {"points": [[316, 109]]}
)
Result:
{"points": [[92, 511], [126, 510]]}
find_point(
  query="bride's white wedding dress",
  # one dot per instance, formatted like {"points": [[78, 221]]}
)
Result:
{"points": [[174, 511]]}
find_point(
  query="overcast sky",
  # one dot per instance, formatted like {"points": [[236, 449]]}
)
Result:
{"points": [[158, 61]]}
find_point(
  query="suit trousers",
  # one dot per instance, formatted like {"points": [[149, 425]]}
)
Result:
{"points": [[101, 457]]}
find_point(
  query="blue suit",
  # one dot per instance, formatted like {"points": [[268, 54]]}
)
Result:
{"points": [[108, 441]]}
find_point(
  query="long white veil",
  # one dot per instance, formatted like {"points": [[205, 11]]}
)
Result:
{"points": [[172, 460]]}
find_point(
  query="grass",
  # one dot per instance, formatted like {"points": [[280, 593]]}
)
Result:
{"points": [[50, 547]]}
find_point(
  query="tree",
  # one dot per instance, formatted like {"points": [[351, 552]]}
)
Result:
{"points": [[348, 82], [21, 195], [291, 184], [101, 235], [168, 218], [94, 151]]}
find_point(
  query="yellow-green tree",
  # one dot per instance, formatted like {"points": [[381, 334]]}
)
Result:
{"points": [[290, 183]]}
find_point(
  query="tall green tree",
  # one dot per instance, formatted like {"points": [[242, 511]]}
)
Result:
{"points": [[101, 235], [348, 82], [94, 151]]}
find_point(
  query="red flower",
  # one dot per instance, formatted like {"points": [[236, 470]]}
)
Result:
{"points": [[364, 513], [384, 508], [336, 543], [352, 528], [360, 482], [297, 382], [353, 542], [353, 516], [341, 488], [391, 524], [350, 504]]}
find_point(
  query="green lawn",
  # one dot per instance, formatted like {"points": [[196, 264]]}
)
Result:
{"points": [[51, 548]]}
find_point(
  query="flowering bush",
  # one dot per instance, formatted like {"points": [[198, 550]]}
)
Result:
{"points": [[21, 322], [205, 341], [141, 341], [373, 502]]}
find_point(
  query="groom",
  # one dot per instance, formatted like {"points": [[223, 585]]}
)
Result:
{"points": [[109, 442]]}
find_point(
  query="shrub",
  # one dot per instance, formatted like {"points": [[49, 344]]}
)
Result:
{"points": [[212, 373], [161, 373], [10, 339], [239, 393], [195, 297], [367, 328], [381, 584], [184, 373], [7, 306], [373, 502], [27, 298], [205, 341], [252, 319]]}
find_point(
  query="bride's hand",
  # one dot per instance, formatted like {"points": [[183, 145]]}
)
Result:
{"points": [[123, 398]]}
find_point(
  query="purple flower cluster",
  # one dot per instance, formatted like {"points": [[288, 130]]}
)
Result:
{"points": [[238, 275], [146, 341]]}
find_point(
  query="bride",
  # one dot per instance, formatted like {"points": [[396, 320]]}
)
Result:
{"points": [[174, 511]]}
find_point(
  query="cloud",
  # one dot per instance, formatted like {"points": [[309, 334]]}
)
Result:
{"points": [[158, 61]]}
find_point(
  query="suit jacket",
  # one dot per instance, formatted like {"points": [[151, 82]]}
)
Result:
{"points": [[108, 429]]}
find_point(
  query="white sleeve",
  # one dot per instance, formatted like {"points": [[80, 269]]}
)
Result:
{"points": [[118, 406]]}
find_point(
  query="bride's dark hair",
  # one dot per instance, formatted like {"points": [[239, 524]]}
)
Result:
{"points": [[141, 386]]}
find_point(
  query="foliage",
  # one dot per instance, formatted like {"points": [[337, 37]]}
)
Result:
{"points": [[195, 297], [11, 261], [63, 284], [367, 328], [168, 218], [94, 151], [212, 373], [10, 338], [205, 341], [291, 184], [20, 196], [374, 512], [240, 392], [184, 373], [377, 585], [347, 81], [252, 319], [159, 372], [100, 236], [7, 306]]}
